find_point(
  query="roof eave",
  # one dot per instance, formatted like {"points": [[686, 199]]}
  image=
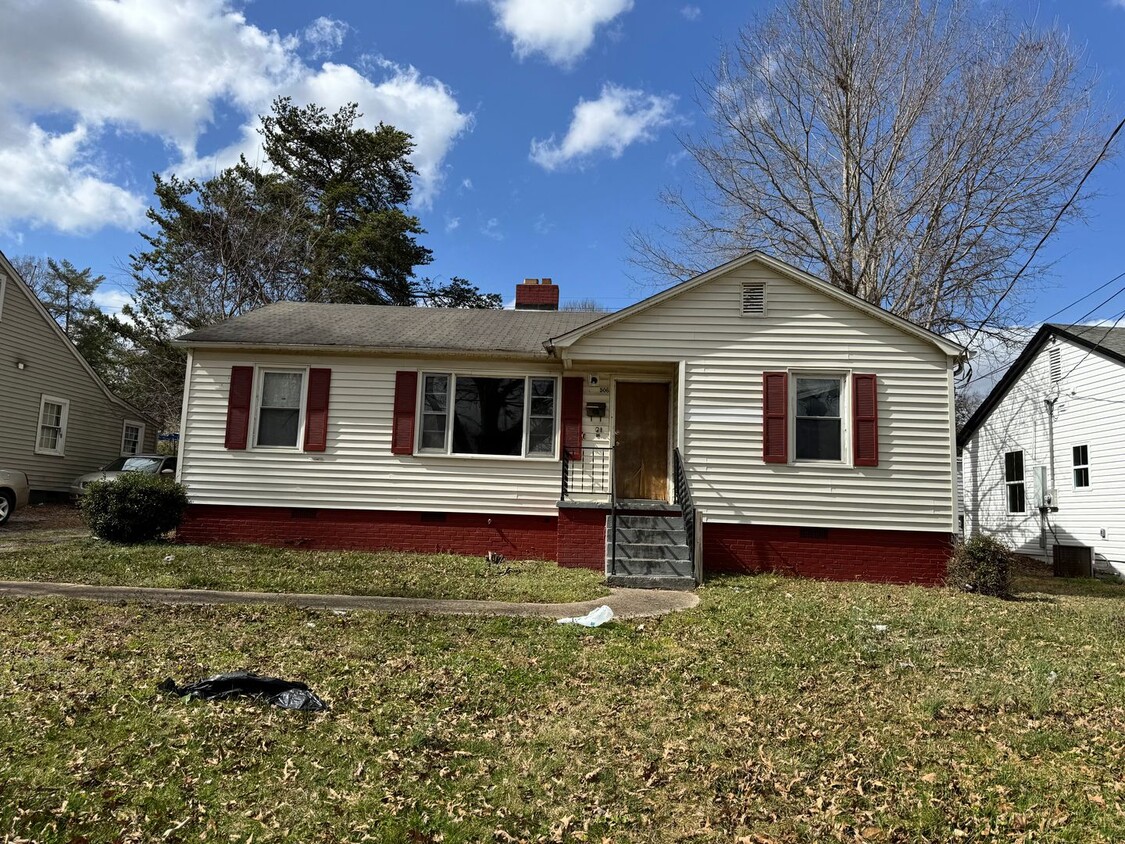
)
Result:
{"points": [[388, 351]]}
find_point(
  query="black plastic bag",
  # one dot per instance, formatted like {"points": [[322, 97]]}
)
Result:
{"points": [[287, 694]]}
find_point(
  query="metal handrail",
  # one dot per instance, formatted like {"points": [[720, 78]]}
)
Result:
{"points": [[601, 475], [683, 497]]}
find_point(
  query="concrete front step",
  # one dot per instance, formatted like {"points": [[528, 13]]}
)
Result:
{"points": [[631, 581], [663, 521], [651, 568], [649, 551], [650, 537]]}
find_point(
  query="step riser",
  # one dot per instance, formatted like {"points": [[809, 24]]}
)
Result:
{"points": [[653, 568], [650, 537], [641, 582], [638, 551], [646, 522]]}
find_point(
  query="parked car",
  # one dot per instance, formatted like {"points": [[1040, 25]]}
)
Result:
{"points": [[150, 464], [14, 492]]}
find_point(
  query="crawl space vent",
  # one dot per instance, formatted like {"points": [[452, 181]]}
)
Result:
{"points": [[753, 299]]}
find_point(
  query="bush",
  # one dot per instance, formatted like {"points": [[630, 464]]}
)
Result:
{"points": [[983, 565], [134, 507]]}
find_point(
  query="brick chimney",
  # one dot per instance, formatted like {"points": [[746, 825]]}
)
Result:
{"points": [[537, 294]]}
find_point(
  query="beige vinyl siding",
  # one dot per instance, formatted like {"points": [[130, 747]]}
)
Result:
{"points": [[1089, 409], [94, 421], [357, 469], [725, 354]]}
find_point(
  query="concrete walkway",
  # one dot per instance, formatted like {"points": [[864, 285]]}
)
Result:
{"points": [[625, 603]]}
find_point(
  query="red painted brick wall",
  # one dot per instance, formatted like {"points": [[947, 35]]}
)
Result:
{"points": [[517, 537], [582, 538], [885, 556], [543, 297]]}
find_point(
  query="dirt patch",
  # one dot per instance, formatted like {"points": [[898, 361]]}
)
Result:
{"points": [[38, 517]]}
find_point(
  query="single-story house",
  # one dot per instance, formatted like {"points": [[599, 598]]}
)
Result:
{"points": [[752, 418], [58, 420], [1043, 456]]}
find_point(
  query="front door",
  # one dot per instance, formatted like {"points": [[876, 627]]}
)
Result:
{"points": [[641, 455]]}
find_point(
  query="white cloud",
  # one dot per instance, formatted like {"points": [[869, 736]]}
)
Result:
{"points": [[325, 36], [609, 124], [492, 229], [112, 301], [560, 30], [452, 223], [51, 180], [692, 13], [99, 71]]}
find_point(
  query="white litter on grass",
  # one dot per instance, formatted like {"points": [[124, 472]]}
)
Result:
{"points": [[879, 628], [169, 558], [594, 618]]}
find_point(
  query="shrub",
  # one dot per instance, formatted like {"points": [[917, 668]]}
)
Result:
{"points": [[134, 507], [981, 564]]}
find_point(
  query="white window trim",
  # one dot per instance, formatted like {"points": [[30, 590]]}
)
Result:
{"points": [[1021, 482], [61, 450], [845, 379], [256, 407], [1074, 467], [140, 426], [448, 451]]}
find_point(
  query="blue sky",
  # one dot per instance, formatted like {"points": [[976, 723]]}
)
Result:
{"points": [[545, 128]]}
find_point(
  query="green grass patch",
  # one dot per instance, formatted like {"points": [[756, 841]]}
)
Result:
{"points": [[777, 710], [256, 568]]}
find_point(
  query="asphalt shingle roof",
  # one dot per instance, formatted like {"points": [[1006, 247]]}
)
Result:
{"points": [[389, 327], [1110, 339]]}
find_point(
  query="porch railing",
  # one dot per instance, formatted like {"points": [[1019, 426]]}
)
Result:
{"points": [[591, 476], [687, 508]]}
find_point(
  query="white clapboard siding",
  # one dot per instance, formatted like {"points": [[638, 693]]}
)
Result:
{"points": [[1089, 409], [94, 422], [725, 354], [357, 469]]}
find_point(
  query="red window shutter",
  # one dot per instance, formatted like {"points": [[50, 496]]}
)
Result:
{"points": [[572, 417], [865, 420], [406, 402], [775, 417], [238, 406], [316, 413]]}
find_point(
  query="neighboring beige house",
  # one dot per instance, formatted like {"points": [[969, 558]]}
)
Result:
{"points": [[1044, 455], [58, 420], [751, 418]]}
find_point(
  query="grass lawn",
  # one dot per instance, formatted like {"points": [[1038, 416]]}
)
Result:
{"points": [[256, 568], [777, 710]]}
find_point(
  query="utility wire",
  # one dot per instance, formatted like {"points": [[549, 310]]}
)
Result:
{"points": [[1095, 347], [1049, 232]]}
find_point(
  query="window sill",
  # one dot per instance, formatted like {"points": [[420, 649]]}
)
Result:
{"points": [[505, 457], [45, 453]]}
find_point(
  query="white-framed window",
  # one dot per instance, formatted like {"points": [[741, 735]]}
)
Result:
{"points": [[50, 436], [818, 418], [1080, 456], [1013, 480], [753, 298], [488, 415], [132, 438], [277, 413]]}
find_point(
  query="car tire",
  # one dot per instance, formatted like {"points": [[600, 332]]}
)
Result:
{"points": [[7, 506]]}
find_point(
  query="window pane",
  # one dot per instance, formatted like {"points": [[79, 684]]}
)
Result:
{"points": [[281, 389], [1080, 458], [49, 438], [818, 439], [488, 416], [1013, 466], [132, 439], [541, 436], [818, 397], [52, 414], [277, 426], [542, 406], [436, 393], [433, 431], [1082, 477], [1016, 502]]}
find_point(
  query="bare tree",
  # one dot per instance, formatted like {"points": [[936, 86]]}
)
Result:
{"points": [[910, 153]]}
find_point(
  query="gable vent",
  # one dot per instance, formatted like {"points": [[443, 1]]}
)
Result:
{"points": [[753, 299], [1055, 357]]}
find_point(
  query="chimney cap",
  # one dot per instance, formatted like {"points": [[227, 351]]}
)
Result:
{"points": [[545, 281], [531, 281]]}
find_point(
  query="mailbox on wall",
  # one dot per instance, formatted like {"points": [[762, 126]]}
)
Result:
{"points": [[595, 409]]}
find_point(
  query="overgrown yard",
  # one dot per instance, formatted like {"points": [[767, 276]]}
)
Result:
{"points": [[256, 568], [778, 710]]}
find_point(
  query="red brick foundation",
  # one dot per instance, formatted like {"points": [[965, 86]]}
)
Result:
{"points": [[518, 537], [885, 556], [582, 538]]}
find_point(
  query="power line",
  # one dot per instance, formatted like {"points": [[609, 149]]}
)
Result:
{"points": [[1094, 348], [1049, 232]]}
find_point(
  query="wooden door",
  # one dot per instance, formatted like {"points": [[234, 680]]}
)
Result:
{"points": [[641, 455]]}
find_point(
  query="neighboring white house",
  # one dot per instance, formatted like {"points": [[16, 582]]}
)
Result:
{"points": [[57, 419], [1044, 455], [797, 428]]}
